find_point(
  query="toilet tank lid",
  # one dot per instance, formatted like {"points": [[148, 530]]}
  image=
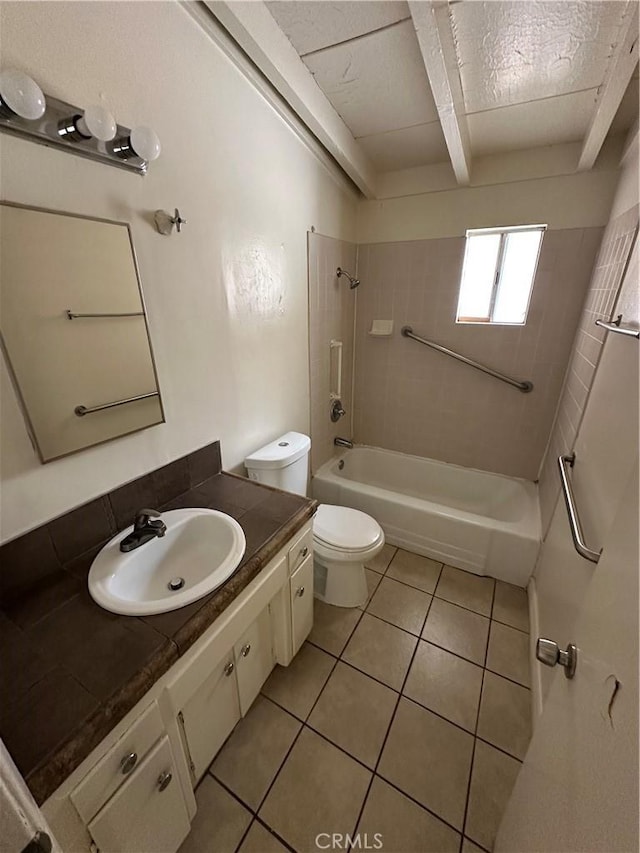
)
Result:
{"points": [[279, 453]]}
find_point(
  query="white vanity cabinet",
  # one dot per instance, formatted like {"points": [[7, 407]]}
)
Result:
{"points": [[134, 792], [300, 559], [209, 715]]}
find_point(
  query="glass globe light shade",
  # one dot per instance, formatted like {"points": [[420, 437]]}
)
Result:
{"points": [[145, 143], [21, 94]]}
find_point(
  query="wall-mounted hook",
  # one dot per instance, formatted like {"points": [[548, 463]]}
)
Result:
{"points": [[165, 222]]}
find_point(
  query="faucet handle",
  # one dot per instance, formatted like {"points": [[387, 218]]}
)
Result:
{"points": [[143, 516]]}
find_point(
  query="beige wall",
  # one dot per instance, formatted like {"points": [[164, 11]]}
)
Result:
{"points": [[415, 400], [605, 299], [541, 185], [227, 298], [331, 317]]}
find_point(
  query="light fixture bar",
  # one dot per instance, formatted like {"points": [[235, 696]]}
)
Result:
{"points": [[45, 132]]}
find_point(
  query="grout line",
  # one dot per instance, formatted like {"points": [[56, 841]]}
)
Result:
{"points": [[507, 678], [417, 803], [437, 714], [461, 606], [245, 833], [229, 790], [389, 727], [394, 625], [475, 733], [507, 625], [479, 846], [499, 749], [275, 834], [451, 652], [410, 585]]}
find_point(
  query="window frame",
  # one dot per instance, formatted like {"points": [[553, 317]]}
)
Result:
{"points": [[504, 232]]}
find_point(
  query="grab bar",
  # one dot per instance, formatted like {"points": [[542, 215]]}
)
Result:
{"points": [[574, 521], [72, 316], [616, 326], [81, 411], [524, 386]]}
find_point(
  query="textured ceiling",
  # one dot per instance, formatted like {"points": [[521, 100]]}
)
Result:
{"points": [[529, 71]]}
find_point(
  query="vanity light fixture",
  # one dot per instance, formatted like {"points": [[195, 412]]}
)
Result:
{"points": [[92, 132]]}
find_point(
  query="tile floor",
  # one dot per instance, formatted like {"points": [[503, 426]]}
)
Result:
{"points": [[408, 718]]}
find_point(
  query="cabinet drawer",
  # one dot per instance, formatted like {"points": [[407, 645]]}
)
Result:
{"points": [[111, 771], [301, 592], [148, 813], [300, 550]]}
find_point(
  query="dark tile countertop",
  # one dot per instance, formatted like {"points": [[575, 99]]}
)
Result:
{"points": [[69, 670]]}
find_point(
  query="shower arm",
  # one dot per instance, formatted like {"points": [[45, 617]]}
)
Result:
{"points": [[353, 281]]}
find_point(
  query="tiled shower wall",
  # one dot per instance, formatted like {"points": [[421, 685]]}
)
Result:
{"points": [[601, 303], [415, 400], [331, 317]]}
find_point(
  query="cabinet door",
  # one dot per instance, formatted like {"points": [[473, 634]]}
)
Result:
{"points": [[209, 716], [147, 812], [301, 592], [254, 659]]}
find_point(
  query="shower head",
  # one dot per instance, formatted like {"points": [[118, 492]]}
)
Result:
{"points": [[353, 282]]}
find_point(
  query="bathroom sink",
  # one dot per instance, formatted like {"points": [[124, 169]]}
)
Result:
{"points": [[199, 552]]}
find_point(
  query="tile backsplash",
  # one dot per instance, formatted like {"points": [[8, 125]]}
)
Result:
{"points": [[604, 300], [36, 559], [415, 400]]}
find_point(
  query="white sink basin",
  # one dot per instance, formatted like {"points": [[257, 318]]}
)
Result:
{"points": [[202, 547]]}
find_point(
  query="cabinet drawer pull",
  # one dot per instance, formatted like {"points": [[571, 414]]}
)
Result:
{"points": [[164, 779], [228, 668], [244, 651], [302, 553], [128, 763], [300, 591]]}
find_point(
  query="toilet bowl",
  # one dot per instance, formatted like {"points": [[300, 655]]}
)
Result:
{"points": [[343, 538]]}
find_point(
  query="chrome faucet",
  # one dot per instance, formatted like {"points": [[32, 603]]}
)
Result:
{"points": [[342, 442], [143, 530]]}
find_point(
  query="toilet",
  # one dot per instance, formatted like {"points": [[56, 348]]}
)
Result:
{"points": [[344, 539]]}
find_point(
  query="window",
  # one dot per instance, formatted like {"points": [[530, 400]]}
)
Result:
{"points": [[497, 274]]}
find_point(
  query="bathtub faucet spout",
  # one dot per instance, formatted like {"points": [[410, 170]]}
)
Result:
{"points": [[342, 442]]}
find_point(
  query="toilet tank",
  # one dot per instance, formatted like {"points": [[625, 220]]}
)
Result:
{"points": [[284, 463]]}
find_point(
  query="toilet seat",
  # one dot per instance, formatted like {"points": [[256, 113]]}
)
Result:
{"points": [[342, 530]]}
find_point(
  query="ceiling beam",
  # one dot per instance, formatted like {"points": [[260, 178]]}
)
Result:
{"points": [[619, 73], [432, 26], [255, 30]]}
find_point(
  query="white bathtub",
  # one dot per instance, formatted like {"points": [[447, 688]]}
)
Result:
{"points": [[485, 523]]}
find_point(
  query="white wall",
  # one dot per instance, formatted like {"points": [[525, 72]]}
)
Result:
{"points": [[605, 443], [227, 298], [536, 186]]}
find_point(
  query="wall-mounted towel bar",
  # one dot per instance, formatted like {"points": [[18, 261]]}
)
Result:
{"points": [[616, 326], [81, 411], [523, 386], [577, 535], [72, 316]]}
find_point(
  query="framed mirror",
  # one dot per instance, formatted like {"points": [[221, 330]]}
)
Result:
{"points": [[74, 329]]}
